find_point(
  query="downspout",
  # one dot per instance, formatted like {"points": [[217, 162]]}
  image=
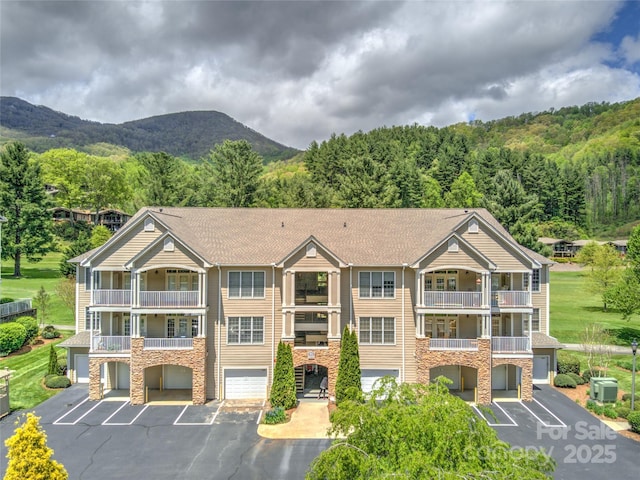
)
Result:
{"points": [[219, 327], [273, 317], [404, 265], [350, 297]]}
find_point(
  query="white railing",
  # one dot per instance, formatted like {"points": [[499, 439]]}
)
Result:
{"points": [[169, 299], [453, 344], [511, 298], [510, 344], [112, 297], [438, 299], [12, 308], [104, 343], [168, 343]]}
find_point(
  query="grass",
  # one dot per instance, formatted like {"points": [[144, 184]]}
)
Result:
{"points": [[25, 384], [45, 274], [572, 308], [623, 376]]}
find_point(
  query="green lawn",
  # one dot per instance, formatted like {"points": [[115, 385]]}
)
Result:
{"points": [[35, 275], [572, 308], [25, 384], [623, 376]]}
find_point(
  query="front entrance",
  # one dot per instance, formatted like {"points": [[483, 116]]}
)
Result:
{"points": [[308, 379], [81, 363], [541, 369]]}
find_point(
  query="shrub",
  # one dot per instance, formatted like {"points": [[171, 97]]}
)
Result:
{"points": [[62, 366], [49, 376], [626, 364], [276, 415], [50, 332], [627, 396], [52, 367], [349, 381], [564, 381], [590, 404], [634, 421], [6, 300], [623, 412], [283, 390], [598, 409], [610, 412], [568, 364], [57, 381], [12, 336], [576, 378], [31, 326]]}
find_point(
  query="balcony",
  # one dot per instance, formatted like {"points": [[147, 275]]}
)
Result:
{"points": [[168, 343], [453, 344], [111, 344], [161, 299], [105, 297], [511, 299], [452, 300], [510, 345]]}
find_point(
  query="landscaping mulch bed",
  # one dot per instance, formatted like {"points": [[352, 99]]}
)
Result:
{"points": [[38, 343]]}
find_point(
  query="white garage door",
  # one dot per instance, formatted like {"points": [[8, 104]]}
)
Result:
{"points": [[245, 383], [499, 377], [452, 372], [123, 376], [370, 376], [177, 377], [541, 369], [81, 362]]}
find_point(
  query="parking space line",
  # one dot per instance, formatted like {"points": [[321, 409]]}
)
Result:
{"points": [[176, 422], [544, 424], [56, 422], [124, 404], [106, 422], [85, 414], [261, 410], [513, 422], [562, 424]]}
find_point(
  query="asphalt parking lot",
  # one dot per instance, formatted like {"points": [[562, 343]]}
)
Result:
{"points": [[112, 439]]}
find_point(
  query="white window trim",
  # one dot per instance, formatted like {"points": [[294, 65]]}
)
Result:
{"points": [[383, 296], [533, 315], [538, 282], [253, 296], [383, 343], [452, 245], [238, 317], [149, 225], [474, 226], [169, 245]]}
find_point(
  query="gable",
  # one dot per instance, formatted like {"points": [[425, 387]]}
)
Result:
{"points": [[503, 254], [157, 255], [306, 257], [465, 257]]}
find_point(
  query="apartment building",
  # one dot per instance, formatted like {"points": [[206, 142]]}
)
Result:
{"points": [[197, 299]]}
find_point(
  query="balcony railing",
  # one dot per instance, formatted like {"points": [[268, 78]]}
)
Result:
{"points": [[169, 299], [510, 298], [450, 300], [112, 297], [168, 343], [453, 344], [113, 344], [12, 308], [510, 344]]}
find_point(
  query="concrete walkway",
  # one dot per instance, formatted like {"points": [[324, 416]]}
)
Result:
{"points": [[310, 420], [615, 349]]}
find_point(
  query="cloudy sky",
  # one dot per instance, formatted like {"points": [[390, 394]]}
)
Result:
{"points": [[298, 71]]}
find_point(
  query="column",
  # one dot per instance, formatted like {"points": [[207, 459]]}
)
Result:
{"points": [[329, 287], [284, 289], [486, 326], [529, 317], [338, 285]]}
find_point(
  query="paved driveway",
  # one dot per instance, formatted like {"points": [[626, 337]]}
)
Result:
{"points": [[113, 440]]}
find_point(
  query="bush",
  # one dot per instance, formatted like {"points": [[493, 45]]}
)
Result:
{"points": [[591, 404], [598, 409], [283, 389], [50, 332], [12, 336], [6, 300], [49, 376], [568, 364], [627, 396], [626, 364], [276, 415], [349, 381], [31, 326], [564, 381], [623, 412], [577, 378], [634, 421], [57, 381], [610, 412], [62, 366]]}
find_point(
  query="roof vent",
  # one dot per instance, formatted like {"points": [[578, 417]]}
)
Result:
{"points": [[345, 224], [282, 224]]}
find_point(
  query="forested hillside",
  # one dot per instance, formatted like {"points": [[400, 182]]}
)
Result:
{"points": [[190, 135]]}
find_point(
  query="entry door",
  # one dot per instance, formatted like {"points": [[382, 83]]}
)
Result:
{"points": [[541, 369], [81, 362], [499, 377]]}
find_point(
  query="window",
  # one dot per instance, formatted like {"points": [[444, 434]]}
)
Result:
{"points": [[473, 226], [168, 245], [194, 327], [87, 279], [182, 280], [535, 320], [88, 316], [535, 280], [246, 285], [245, 330], [377, 284], [453, 245], [377, 330], [126, 326], [149, 225], [311, 250]]}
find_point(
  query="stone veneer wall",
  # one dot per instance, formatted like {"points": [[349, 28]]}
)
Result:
{"points": [[327, 357], [193, 358], [479, 359], [94, 373], [526, 364]]}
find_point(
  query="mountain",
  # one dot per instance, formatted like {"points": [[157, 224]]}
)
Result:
{"points": [[188, 134]]}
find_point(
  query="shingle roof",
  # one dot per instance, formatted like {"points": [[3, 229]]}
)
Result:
{"points": [[81, 339], [540, 340]]}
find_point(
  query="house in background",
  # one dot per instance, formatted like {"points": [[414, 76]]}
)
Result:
{"points": [[111, 218], [195, 300], [561, 248]]}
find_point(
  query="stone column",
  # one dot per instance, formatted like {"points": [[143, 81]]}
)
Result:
{"points": [[136, 375], [94, 379], [484, 371]]}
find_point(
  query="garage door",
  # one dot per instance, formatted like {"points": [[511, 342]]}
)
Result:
{"points": [[452, 372], [245, 383], [81, 362], [370, 376], [123, 376], [177, 377], [541, 369], [499, 377]]}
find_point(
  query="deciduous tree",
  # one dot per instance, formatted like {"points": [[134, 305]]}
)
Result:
{"points": [[463, 193]]}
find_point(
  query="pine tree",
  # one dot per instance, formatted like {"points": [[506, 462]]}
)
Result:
{"points": [[349, 382], [283, 389], [52, 368], [28, 454]]}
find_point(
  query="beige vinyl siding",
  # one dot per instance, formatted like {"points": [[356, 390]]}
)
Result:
{"points": [[84, 297], [464, 258], [323, 261], [540, 298], [495, 249], [158, 256], [125, 247]]}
